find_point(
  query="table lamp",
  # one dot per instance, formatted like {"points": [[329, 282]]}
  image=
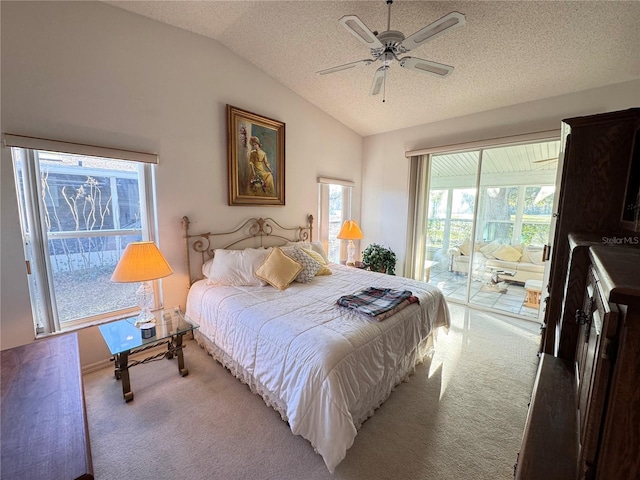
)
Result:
{"points": [[350, 231], [142, 262]]}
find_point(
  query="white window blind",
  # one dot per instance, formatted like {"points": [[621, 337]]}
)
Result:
{"points": [[34, 143]]}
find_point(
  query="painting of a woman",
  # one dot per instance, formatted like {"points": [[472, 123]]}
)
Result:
{"points": [[256, 148], [260, 173]]}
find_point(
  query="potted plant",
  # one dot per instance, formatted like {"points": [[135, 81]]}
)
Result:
{"points": [[379, 259]]}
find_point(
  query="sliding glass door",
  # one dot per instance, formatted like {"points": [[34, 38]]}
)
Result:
{"points": [[487, 219]]}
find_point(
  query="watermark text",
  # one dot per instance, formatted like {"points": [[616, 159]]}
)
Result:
{"points": [[621, 240]]}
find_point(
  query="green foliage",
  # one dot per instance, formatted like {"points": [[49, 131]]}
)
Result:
{"points": [[535, 233], [379, 259]]}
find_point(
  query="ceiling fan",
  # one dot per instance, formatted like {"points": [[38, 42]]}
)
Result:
{"points": [[387, 46]]}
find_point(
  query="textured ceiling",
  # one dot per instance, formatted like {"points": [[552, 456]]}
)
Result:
{"points": [[508, 52]]}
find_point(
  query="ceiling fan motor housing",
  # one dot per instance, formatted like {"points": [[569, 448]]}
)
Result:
{"points": [[392, 40]]}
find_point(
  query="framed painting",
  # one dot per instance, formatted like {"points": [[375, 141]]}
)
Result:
{"points": [[255, 147]]}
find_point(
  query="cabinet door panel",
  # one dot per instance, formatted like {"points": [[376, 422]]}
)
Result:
{"points": [[598, 367]]}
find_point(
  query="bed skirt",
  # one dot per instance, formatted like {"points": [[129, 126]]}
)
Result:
{"points": [[366, 407]]}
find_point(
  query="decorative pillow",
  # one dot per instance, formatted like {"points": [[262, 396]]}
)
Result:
{"points": [[490, 248], [532, 254], [278, 269], [507, 253], [315, 246], [324, 270], [465, 247], [309, 266], [235, 267]]}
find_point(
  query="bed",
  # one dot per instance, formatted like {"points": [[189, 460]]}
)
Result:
{"points": [[325, 368]]}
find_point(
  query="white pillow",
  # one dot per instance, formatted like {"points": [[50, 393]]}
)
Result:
{"points": [[207, 268], [235, 267], [315, 246], [532, 254]]}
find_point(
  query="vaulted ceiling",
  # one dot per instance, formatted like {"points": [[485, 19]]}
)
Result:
{"points": [[508, 52]]}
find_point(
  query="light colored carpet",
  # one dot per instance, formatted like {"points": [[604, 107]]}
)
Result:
{"points": [[459, 417]]}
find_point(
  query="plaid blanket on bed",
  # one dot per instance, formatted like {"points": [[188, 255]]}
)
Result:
{"points": [[376, 301]]}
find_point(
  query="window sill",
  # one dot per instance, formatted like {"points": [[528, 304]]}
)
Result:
{"points": [[81, 325]]}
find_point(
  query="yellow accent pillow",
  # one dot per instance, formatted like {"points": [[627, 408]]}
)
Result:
{"points": [[507, 253], [324, 270], [490, 249], [278, 269]]}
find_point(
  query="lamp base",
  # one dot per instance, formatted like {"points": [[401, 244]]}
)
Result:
{"points": [[351, 251], [144, 294]]}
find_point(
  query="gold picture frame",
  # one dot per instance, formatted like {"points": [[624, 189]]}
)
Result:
{"points": [[255, 150]]}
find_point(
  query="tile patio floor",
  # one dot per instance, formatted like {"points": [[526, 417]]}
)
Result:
{"points": [[454, 287]]}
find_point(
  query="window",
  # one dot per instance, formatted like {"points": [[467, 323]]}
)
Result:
{"points": [[500, 192], [334, 209], [78, 213], [449, 223]]}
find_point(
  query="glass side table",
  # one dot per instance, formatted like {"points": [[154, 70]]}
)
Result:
{"points": [[124, 339]]}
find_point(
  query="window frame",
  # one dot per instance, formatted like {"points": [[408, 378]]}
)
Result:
{"points": [[324, 187], [36, 237]]}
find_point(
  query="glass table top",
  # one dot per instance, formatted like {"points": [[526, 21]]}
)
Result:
{"points": [[123, 335]]}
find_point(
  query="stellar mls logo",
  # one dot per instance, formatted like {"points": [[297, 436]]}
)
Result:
{"points": [[621, 240]]}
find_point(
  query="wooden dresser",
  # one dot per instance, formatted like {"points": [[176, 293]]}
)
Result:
{"points": [[584, 416], [44, 421]]}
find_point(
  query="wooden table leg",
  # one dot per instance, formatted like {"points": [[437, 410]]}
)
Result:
{"points": [[178, 347], [122, 373]]}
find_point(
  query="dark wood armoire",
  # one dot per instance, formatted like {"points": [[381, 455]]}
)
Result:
{"points": [[583, 420]]}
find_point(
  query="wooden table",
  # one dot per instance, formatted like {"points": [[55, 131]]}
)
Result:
{"points": [[44, 421]]}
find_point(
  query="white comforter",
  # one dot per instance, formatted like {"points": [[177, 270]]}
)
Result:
{"points": [[325, 368]]}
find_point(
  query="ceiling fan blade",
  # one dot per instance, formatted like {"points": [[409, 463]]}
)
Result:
{"points": [[346, 66], [434, 30], [426, 66], [359, 30], [378, 81]]}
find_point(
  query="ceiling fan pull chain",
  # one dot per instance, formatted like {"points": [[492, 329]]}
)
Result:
{"points": [[384, 86]]}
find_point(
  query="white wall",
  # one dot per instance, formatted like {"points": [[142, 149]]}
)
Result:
{"points": [[90, 73], [386, 170]]}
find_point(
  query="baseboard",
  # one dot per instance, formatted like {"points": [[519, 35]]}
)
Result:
{"points": [[93, 367]]}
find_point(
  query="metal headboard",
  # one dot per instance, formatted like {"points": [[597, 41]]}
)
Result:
{"points": [[254, 232]]}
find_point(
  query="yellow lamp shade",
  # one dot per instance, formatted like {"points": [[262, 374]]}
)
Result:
{"points": [[141, 261], [350, 231]]}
